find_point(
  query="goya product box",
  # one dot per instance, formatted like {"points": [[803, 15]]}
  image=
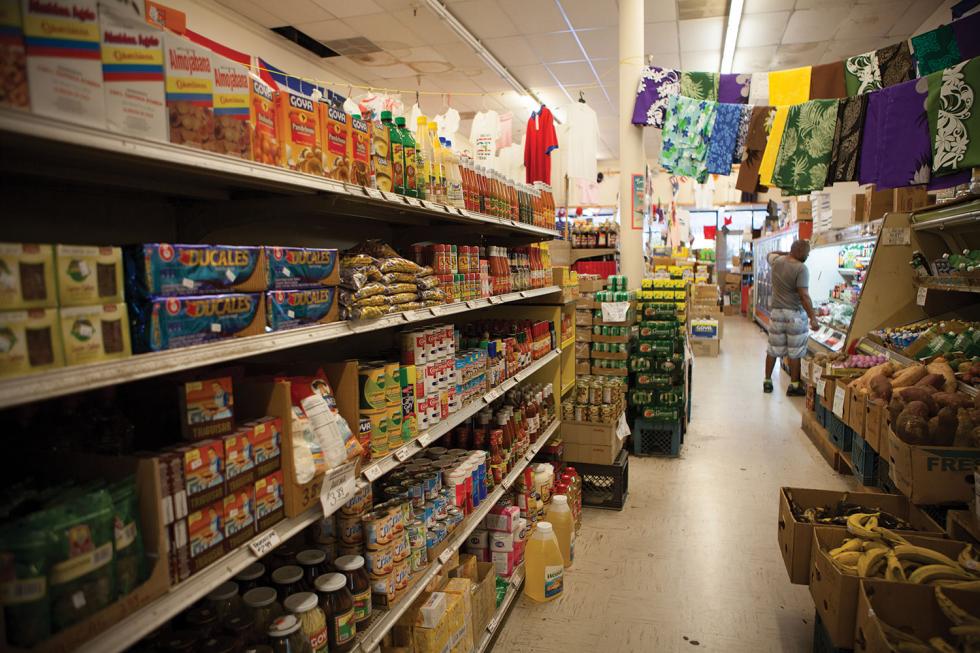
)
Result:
{"points": [[290, 309], [132, 74], [189, 87], [162, 269], [204, 477], [291, 268], [95, 333], [239, 514], [206, 535], [269, 505], [30, 341], [299, 132], [239, 462], [263, 121], [27, 276], [13, 57], [64, 67], [207, 408], [359, 151], [160, 323], [88, 275], [381, 157], [335, 131], [265, 435], [230, 99]]}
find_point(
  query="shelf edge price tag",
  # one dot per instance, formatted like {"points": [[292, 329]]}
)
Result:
{"points": [[920, 296], [373, 472], [338, 486], [407, 451], [264, 543], [494, 299], [446, 555], [839, 396], [375, 193]]}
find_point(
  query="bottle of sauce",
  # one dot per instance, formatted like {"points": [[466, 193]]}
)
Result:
{"points": [[544, 565], [338, 607], [560, 517], [397, 153], [408, 154], [423, 160], [358, 583]]}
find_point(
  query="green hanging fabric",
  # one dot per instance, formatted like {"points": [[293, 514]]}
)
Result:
{"points": [[700, 86], [936, 50], [804, 152], [954, 117], [862, 74]]}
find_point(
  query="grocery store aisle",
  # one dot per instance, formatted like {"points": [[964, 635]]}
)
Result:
{"points": [[692, 563]]}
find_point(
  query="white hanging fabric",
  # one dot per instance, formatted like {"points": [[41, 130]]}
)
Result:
{"points": [[581, 145], [483, 136]]}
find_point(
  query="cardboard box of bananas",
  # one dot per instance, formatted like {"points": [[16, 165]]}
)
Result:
{"points": [[841, 558]]}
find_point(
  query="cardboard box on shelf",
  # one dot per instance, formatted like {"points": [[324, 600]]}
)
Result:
{"points": [[90, 334], [796, 537], [582, 368], [588, 442], [879, 202], [88, 275], [590, 285], [706, 348], [731, 309], [29, 277], [858, 210], [189, 92], [874, 425], [931, 474], [856, 411], [706, 291], [32, 341]]}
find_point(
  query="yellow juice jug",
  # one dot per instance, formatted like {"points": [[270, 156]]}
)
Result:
{"points": [[560, 517], [543, 565]]}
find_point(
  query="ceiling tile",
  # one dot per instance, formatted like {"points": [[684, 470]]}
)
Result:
{"points": [[384, 29], [590, 13], [557, 46], [706, 60], [837, 50], [534, 17], [667, 60], [660, 38], [491, 82], [762, 29], [914, 16], [655, 11], [395, 5], [484, 18], [254, 12], [872, 19], [762, 6], [512, 51], [798, 54], [344, 8], [460, 54], [688, 9], [326, 30], [702, 33], [298, 11], [573, 74], [754, 60], [820, 4], [428, 27], [600, 43], [814, 24], [536, 76]]}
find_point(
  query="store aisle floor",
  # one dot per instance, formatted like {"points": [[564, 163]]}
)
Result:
{"points": [[692, 563]]}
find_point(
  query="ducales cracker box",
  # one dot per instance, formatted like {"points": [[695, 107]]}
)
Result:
{"points": [[190, 89], [132, 74]]}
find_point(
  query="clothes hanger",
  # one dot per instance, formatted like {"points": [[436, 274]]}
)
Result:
{"points": [[581, 97]]}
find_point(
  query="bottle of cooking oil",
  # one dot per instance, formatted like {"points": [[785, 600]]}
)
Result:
{"points": [[543, 564], [560, 517]]}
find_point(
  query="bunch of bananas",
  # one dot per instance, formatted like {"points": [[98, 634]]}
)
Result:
{"points": [[877, 552], [966, 629], [838, 514]]}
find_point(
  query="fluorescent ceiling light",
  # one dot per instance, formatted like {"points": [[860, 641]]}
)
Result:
{"points": [[731, 35]]}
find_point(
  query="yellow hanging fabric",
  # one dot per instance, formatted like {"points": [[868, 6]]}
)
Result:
{"points": [[768, 164], [789, 86]]}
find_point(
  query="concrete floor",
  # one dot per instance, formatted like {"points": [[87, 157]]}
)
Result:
{"points": [[692, 562]]}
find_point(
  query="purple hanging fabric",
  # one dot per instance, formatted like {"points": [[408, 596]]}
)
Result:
{"points": [[967, 31], [870, 137], [655, 88], [733, 88], [904, 147], [948, 181]]}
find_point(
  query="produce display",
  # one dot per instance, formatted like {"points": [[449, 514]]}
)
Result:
{"points": [[840, 513], [965, 629]]}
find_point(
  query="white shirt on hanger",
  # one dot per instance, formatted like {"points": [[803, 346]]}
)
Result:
{"points": [[510, 161], [448, 123], [581, 145], [483, 136]]}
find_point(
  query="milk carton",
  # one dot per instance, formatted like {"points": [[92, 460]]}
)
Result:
{"points": [[64, 68], [231, 108], [189, 89], [132, 75]]}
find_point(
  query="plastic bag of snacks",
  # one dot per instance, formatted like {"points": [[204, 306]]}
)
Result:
{"points": [[128, 538], [314, 396], [433, 295], [407, 306], [366, 312], [427, 283], [397, 277], [308, 457], [403, 298], [352, 299], [400, 288]]}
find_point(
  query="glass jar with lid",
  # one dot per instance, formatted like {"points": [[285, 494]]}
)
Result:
{"points": [[224, 599], [288, 580], [286, 636], [285, 554], [241, 628], [203, 620], [358, 583], [313, 562], [261, 605], [251, 577], [312, 621], [180, 641], [220, 644], [338, 608]]}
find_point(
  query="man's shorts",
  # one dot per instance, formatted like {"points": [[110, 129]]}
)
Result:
{"points": [[788, 333]]}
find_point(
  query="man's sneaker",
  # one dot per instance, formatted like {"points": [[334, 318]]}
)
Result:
{"points": [[767, 386], [796, 391]]}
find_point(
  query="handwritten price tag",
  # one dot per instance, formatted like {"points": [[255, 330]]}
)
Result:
{"points": [[446, 555], [496, 299], [839, 395], [373, 472], [407, 452], [264, 543], [418, 314], [338, 487], [821, 387], [614, 311], [920, 296]]}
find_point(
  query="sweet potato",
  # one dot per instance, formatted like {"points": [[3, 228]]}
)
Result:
{"points": [[917, 408], [913, 429], [952, 399], [863, 382], [940, 366], [942, 427], [880, 388], [909, 376], [964, 429], [895, 408], [931, 380], [916, 393]]}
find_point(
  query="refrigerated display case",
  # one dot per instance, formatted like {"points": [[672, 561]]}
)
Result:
{"points": [[762, 275], [839, 262]]}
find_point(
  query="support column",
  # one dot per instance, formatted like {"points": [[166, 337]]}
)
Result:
{"points": [[632, 160]]}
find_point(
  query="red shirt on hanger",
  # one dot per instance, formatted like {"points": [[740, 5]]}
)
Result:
{"points": [[541, 140]]}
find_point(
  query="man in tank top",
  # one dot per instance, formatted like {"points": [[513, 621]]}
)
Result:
{"points": [[789, 310]]}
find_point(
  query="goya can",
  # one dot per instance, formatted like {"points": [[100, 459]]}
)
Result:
{"points": [[379, 431], [393, 386], [371, 381]]}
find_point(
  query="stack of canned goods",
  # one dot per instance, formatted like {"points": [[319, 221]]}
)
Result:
{"points": [[611, 347], [616, 282], [597, 399], [599, 330]]}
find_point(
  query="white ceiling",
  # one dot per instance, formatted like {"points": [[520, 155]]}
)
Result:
{"points": [[559, 47]]}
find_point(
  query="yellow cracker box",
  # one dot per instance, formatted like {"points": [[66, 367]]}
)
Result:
{"points": [[88, 275], [190, 85], [299, 132], [91, 334], [231, 108], [335, 132], [13, 57], [26, 276], [30, 341], [263, 121]]}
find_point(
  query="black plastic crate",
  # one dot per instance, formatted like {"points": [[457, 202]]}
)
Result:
{"points": [[605, 486], [656, 438], [840, 433], [821, 639], [864, 460], [821, 413], [883, 478]]}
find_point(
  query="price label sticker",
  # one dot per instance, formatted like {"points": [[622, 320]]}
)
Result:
{"points": [[492, 626], [446, 555], [495, 299], [264, 543], [407, 452], [338, 487], [373, 472], [418, 314], [614, 311], [432, 206], [839, 396], [375, 193], [821, 387], [412, 201], [896, 236], [920, 296], [472, 304]]}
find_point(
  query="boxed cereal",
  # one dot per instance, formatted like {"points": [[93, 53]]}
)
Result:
{"points": [[263, 121], [231, 108], [30, 341], [239, 463], [95, 333], [269, 506], [239, 513], [381, 157], [335, 134], [162, 269], [299, 132], [132, 74], [64, 68], [359, 154], [265, 435], [189, 88], [204, 477], [289, 309], [13, 57], [160, 323], [301, 267], [88, 275], [206, 408], [206, 535], [27, 276]]}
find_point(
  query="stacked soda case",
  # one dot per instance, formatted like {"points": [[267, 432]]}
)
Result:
{"points": [[611, 340], [656, 364]]}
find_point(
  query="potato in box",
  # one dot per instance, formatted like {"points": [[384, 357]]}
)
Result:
{"points": [[30, 341], [64, 67], [291, 268], [206, 535], [132, 74], [13, 57], [165, 270], [264, 121], [269, 505], [299, 132], [161, 323], [96, 333], [88, 275], [230, 102], [290, 309], [189, 92], [239, 514], [27, 276]]}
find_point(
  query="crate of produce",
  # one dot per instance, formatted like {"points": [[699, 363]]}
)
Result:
{"points": [[839, 432], [864, 460], [656, 438], [605, 486]]}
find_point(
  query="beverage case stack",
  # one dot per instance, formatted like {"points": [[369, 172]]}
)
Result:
{"points": [[704, 319]]}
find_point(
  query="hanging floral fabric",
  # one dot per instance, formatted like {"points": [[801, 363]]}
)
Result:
{"points": [[804, 151], [895, 64], [861, 73], [656, 86], [755, 144], [954, 117], [700, 86], [967, 41], [772, 146], [847, 139], [936, 50], [827, 81], [891, 162], [743, 131], [789, 86], [734, 88], [685, 138], [723, 137]]}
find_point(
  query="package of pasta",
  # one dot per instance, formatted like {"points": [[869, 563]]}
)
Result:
{"points": [[429, 303], [354, 260], [426, 271], [433, 294], [397, 264], [402, 298], [347, 299], [407, 306], [366, 312], [427, 283], [367, 290], [399, 288], [397, 277], [357, 277]]}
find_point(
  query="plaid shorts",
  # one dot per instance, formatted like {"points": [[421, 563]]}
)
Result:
{"points": [[788, 333]]}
